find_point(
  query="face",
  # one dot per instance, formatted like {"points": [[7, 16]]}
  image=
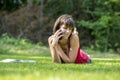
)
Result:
{"points": [[66, 31]]}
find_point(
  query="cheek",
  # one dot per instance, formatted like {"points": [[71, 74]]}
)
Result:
{"points": [[68, 32]]}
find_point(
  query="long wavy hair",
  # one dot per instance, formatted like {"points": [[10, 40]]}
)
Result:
{"points": [[66, 20]]}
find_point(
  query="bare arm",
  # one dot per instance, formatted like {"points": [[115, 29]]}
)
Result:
{"points": [[73, 50], [55, 56], [53, 40]]}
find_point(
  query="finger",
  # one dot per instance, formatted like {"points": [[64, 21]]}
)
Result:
{"points": [[51, 39], [54, 41], [60, 37], [57, 32]]}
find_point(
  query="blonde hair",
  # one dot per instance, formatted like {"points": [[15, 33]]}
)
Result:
{"points": [[64, 19]]}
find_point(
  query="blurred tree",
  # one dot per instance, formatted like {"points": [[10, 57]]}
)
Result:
{"points": [[11, 5], [98, 20], [41, 12], [29, 4], [102, 22]]}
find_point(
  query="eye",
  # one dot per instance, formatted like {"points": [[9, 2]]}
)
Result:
{"points": [[65, 28], [69, 28]]}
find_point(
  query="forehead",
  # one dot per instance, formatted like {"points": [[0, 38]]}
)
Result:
{"points": [[66, 26], [67, 22]]}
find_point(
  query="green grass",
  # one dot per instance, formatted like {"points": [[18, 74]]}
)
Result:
{"points": [[103, 66], [44, 69]]}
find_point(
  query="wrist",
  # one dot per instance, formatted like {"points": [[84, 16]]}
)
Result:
{"points": [[54, 43]]}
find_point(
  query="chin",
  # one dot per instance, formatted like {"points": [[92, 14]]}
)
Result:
{"points": [[65, 37]]}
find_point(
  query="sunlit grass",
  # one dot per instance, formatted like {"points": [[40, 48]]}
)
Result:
{"points": [[103, 66], [44, 69]]}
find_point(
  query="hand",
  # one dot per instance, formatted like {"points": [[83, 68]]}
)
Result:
{"points": [[56, 37]]}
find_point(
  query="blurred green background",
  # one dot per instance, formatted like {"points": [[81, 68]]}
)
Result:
{"points": [[97, 21]]}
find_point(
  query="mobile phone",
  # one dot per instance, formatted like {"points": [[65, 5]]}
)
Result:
{"points": [[60, 38]]}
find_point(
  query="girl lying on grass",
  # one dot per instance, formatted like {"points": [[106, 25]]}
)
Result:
{"points": [[64, 42]]}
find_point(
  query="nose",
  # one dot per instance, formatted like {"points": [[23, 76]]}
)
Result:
{"points": [[63, 30], [67, 31]]}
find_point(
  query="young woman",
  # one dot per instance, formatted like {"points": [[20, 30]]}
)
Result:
{"points": [[64, 43]]}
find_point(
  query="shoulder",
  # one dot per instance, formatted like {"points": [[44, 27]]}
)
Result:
{"points": [[74, 39], [74, 36]]}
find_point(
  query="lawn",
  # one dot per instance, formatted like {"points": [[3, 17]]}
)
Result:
{"points": [[103, 66], [44, 69]]}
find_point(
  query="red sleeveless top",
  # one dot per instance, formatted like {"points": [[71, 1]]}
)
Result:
{"points": [[82, 57]]}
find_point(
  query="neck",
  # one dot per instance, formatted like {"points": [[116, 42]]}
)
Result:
{"points": [[63, 41], [64, 45]]}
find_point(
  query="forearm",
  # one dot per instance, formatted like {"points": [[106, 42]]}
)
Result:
{"points": [[54, 55], [59, 51]]}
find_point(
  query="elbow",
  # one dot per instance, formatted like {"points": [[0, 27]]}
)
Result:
{"points": [[70, 61], [54, 61]]}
